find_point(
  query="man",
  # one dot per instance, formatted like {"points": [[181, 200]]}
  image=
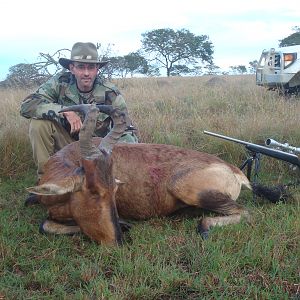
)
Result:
{"points": [[50, 130]]}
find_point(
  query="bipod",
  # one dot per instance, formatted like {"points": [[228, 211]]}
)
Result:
{"points": [[255, 157]]}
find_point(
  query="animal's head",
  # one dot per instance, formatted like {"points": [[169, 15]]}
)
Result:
{"points": [[92, 187]]}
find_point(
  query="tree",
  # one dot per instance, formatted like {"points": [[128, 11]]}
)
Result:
{"points": [[253, 65], [238, 69], [116, 67], [212, 69], [177, 51], [291, 40], [136, 63], [47, 66], [178, 70], [29, 75], [24, 75], [130, 64]]}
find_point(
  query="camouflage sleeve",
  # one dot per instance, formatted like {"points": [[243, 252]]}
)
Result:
{"points": [[103, 126], [116, 98], [129, 136], [119, 102], [43, 104]]}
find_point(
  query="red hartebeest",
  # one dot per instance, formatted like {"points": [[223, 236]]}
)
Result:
{"points": [[79, 184]]}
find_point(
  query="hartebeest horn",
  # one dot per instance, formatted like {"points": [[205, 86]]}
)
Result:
{"points": [[121, 122], [87, 148], [84, 108]]}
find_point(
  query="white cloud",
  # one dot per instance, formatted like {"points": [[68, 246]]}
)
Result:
{"points": [[238, 29]]}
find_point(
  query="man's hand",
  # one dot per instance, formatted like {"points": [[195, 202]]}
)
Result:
{"points": [[74, 120]]}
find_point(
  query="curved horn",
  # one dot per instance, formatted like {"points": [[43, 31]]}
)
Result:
{"points": [[87, 148], [120, 121], [81, 108], [90, 111], [84, 108]]}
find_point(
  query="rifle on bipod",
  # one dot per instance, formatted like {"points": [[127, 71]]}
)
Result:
{"points": [[257, 150], [274, 194]]}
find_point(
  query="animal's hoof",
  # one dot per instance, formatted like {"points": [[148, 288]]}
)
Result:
{"points": [[204, 233], [41, 228], [32, 199], [125, 226]]}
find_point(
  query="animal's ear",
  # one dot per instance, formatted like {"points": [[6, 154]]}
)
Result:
{"points": [[67, 185]]}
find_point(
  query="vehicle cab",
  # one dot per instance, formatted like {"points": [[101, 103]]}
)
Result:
{"points": [[280, 69]]}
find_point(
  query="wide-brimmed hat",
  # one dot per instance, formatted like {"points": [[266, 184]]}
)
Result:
{"points": [[84, 53]]}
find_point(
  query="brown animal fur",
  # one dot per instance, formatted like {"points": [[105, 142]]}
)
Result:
{"points": [[158, 180], [84, 190]]}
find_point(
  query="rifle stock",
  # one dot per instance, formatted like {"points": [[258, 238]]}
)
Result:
{"points": [[278, 154]]}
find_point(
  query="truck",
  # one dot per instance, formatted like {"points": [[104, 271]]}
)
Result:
{"points": [[279, 69]]}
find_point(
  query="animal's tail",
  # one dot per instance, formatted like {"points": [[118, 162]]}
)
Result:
{"points": [[273, 194]]}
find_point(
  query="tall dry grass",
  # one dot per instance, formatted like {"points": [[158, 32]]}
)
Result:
{"points": [[231, 104], [175, 110], [15, 150]]}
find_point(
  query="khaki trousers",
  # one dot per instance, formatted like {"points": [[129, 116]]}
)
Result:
{"points": [[46, 137]]}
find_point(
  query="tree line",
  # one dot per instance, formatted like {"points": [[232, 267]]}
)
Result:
{"points": [[177, 52]]}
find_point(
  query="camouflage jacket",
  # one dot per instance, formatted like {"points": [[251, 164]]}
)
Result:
{"points": [[61, 91]]}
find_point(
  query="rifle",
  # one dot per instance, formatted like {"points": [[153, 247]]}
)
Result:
{"points": [[274, 144], [257, 150]]}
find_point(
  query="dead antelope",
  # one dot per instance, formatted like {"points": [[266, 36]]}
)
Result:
{"points": [[84, 190], [79, 184]]}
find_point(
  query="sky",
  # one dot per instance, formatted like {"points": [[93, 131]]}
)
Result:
{"points": [[239, 30]]}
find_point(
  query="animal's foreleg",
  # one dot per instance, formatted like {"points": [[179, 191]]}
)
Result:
{"points": [[49, 226]]}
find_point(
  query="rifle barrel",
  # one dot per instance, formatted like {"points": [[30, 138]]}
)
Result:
{"points": [[278, 154], [225, 137]]}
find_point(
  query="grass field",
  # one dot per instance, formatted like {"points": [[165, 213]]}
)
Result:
{"points": [[162, 258]]}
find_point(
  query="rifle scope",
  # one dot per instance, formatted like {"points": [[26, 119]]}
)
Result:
{"points": [[274, 144]]}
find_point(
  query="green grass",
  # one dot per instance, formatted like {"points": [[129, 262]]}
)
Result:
{"points": [[162, 258]]}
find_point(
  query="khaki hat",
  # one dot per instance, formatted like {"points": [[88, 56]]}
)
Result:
{"points": [[84, 53]]}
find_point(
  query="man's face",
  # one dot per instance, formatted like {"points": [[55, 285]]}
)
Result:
{"points": [[85, 74]]}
